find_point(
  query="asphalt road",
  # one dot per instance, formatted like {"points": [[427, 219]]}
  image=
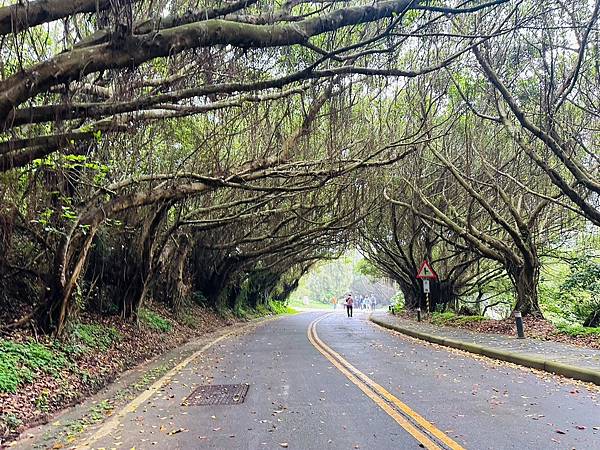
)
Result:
{"points": [[302, 397]]}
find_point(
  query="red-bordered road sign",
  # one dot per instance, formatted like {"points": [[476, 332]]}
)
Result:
{"points": [[426, 272]]}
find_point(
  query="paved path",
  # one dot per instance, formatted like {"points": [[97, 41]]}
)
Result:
{"points": [[301, 397], [548, 350]]}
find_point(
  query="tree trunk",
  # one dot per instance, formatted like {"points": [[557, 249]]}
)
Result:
{"points": [[413, 298], [68, 265], [525, 279]]}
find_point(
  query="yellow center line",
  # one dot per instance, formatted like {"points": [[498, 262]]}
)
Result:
{"points": [[381, 396]]}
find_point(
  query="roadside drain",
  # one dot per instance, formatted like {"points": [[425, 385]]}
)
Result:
{"points": [[218, 394]]}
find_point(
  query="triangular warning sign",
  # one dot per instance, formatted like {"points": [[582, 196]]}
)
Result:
{"points": [[426, 272]]}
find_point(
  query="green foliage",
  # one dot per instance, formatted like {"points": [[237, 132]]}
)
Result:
{"points": [[450, 318], [578, 296], [154, 320], [95, 336], [281, 308], [325, 281], [23, 362], [398, 300], [366, 268], [199, 298], [397, 309], [11, 420], [467, 319], [578, 330], [263, 310], [441, 318], [585, 275], [99, 411], [189, 320]]}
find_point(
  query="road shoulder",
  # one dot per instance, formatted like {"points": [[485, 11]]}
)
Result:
{"points": [[131, 387]]}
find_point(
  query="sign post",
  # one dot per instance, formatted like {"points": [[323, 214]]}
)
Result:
{"points": [[425, 273]]}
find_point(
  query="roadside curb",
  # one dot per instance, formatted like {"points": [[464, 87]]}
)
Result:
{"points": [[566, 370]]}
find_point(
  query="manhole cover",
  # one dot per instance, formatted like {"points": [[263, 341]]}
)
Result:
{"points": [[218, 394]]}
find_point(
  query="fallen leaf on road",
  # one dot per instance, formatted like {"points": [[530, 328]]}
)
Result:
{"points": [[178, 430], [284, 444], [560, 432], [580, 427]]}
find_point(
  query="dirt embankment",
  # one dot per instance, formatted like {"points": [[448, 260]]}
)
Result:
{"points": [[40, 376]]}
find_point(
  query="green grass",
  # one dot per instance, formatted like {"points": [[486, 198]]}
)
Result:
{"points": [[22, 362], [155, 321], [578, 330]]}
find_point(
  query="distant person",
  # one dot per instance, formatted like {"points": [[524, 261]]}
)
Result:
{"points": [[373, 303], [334, 301], [349, 302]]}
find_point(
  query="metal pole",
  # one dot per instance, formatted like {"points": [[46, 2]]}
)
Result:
{"points": [[519, 322], [419, 314]]}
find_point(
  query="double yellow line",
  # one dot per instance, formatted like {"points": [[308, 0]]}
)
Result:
{"points": [[422, 430]]}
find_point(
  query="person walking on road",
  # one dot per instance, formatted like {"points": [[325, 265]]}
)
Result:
{"points": [[349, 303], [334, 301]]}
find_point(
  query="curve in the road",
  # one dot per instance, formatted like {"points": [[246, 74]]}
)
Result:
{"points": [[417, 426]]}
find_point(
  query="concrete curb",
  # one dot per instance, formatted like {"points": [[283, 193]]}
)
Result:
{"points": [[566, 370]]}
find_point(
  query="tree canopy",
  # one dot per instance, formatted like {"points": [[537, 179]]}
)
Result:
{"points": [[214, 151]]}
